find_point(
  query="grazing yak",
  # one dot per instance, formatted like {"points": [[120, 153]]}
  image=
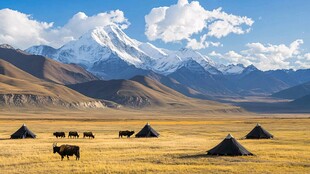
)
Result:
{"points": [[125, 133], [73, 134], [88, 134], [67, 150], [59, 134]]}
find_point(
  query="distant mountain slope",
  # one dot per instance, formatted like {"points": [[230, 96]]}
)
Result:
{"points": [[10, 70], [115, 68], [177, 86], [257, 82], [20, 89], [294, 92], [303, 102], [156, 86], [142, 92], [302, 75], [44, 68], [193, 75], [126, 92], [284, 75]]}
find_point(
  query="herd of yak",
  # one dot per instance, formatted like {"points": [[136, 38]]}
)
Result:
{"points": [[74, 134], [66, 150], [228, 147]]}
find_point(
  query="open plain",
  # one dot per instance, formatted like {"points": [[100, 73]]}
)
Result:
{"points": [[181, 147]]}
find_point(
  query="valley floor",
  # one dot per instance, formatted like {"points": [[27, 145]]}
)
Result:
{"points": [[180, 148]]}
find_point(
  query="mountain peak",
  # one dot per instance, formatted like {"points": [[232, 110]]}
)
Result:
{"points": [[109, 45], [113, 28], [111, 33], [6, 46], [231, 68], [249, 69], [189, 52]]}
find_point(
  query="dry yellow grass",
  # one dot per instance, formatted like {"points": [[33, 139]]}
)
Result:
{"points": [[180, 148]]}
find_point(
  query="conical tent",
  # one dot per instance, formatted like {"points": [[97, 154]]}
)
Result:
{"points": [[147, 131], [229, 147], [258, 133], [23, 132]]}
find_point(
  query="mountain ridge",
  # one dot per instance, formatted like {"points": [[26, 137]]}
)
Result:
{"points": [[20, 89], [103, 43], [109, 53], [44, 68]]}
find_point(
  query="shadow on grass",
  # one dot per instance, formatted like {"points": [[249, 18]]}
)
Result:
{"points": [[197, 156], [5, 139]]}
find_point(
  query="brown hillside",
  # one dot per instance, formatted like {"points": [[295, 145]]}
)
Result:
{"points": [[143, 92], [44, 68], [10, 70], [18, 88]]}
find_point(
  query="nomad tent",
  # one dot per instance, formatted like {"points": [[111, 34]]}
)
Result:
{"points": [[147, 131], [258, 133], [23, 132], [229, 147]]}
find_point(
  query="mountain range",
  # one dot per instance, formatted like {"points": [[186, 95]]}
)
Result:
{"points": [[21, 89], [138, 92], [57, 85], [106, 66], [44, 68], [109, 53]]}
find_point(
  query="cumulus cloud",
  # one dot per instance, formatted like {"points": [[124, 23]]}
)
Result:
{"points": [[269, 57], [203, 43], [303, 61], [307, 56], [22, 31], [183, 20]]}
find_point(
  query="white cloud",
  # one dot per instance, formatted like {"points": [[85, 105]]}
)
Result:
{"points": [[20, 30], [269, 57], [307, 56], [196, 45], [183, 20], [231, 57], [303, 61]]}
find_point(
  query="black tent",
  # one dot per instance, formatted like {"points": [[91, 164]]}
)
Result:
{"points": [[258, 133], [229, 147], [23, 132], [147, 131]]}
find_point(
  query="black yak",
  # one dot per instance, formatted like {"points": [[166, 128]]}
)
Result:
{"points": [[59, 134], [67, 150], [88, 134], [125, 133], [73, 134]]}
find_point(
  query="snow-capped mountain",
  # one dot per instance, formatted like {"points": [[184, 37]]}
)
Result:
{"points": [[231, 69], [103, 48]]}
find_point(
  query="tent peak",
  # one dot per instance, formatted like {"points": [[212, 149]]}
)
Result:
{"points": [[257, 124], [229, 136]]}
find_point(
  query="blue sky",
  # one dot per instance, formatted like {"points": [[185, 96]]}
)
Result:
{"points": [[276, 22]]}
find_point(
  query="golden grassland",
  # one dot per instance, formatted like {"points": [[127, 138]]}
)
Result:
{"points": [[181, 147]]}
